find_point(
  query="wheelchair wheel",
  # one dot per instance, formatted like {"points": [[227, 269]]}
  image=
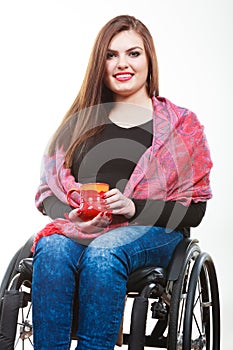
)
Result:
{"points": [[10, 272], [12, 269], [203, 293], [16, 318], [194, 311], [15, 307]]}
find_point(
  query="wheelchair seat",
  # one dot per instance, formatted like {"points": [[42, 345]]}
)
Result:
{"points": [[144, 276], [183, 300], [136, 282]]}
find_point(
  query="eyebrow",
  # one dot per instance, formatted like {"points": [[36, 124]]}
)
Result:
{"points": [[128, 50]]}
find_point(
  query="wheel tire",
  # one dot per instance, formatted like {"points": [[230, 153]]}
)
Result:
{"points": [[178, 300], [12, 269], [202, 307], [9, 274], [15, 306]]}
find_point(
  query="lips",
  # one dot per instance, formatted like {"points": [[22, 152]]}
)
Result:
{"points": [[124, 76]]}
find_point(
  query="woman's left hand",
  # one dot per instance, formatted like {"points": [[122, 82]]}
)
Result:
{"points": [[97, 224], [119, 204]]}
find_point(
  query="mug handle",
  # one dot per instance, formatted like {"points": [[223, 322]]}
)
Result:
{"points": [[71, 202]]}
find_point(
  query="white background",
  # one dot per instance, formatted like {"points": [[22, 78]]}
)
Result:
{"points": [[44, 50]]}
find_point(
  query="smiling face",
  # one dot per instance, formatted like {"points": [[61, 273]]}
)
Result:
{"points": [[126, 66]]}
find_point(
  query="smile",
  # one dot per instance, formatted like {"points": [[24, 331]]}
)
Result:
{"points": [[123, 76]]}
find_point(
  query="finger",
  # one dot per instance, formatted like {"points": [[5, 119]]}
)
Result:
{"points": [[115, 205], [118, 211], [112, 194], [74, 215], [91, 226], [103, 219], [115, 200], [107, 217], [83, 225]]}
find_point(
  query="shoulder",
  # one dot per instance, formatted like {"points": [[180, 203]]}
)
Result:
{"points": [[176, 113], [166, 103]]}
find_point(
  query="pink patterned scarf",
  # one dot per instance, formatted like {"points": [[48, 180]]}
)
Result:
{"points": [[175, 168]]}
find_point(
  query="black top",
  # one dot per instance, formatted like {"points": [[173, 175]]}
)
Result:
{"points": [[111, 157]]}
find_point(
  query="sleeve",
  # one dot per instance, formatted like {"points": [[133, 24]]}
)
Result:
{"points": [[56, 180], [54, 208], [170, 214]]}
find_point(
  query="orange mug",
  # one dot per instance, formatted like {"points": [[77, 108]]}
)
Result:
{"points": [[91, 199]]}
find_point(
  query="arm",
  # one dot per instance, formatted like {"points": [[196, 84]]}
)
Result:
{"points": [[171, 214], [168, 214], [156, 213], [54, 208]]}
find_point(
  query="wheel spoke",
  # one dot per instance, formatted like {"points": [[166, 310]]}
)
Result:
{"points": [[198, 300], [29, 310], [16, 343], [181, 317]]}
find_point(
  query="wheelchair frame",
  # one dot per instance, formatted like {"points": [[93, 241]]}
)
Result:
{"points": [[184, 300]]}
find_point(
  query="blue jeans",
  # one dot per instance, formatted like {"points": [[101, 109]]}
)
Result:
{"points": [[102, 269]]}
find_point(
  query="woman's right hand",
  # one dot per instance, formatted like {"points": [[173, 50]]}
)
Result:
{"points": [[96, 225]]}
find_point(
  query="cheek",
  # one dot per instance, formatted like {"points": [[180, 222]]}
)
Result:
{"points": [[106, 79], [109, 68], [143, 67], [143, 71], [108, 73]]}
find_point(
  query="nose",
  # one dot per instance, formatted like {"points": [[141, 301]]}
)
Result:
{"points": [[122, 62]]}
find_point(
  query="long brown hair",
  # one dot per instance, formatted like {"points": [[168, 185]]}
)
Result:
{"points": [[88, 113]]}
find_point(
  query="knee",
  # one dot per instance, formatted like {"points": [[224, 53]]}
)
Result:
{"points": [[50, 244], [54, 249], [103, 262]]}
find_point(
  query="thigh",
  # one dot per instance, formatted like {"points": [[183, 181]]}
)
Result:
{"points": [[56, 258], [140, 246]]}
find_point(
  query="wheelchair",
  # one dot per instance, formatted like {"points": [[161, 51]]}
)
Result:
{"points": [[182, 301]]}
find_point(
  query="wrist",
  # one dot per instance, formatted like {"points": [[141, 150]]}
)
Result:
{"points": [[131, 211]]}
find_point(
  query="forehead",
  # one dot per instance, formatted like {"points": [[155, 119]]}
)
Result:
{"points": [[125, 40]]}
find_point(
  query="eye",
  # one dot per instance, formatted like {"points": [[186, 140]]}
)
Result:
{"points": [[110, 55], [134, 53]]}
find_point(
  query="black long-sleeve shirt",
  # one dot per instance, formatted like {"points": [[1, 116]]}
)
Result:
{"points": [[111, 157]]}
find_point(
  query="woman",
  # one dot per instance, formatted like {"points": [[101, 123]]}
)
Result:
{"points": [[156, 160]]}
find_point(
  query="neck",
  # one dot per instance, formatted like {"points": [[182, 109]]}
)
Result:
{"points": [[139, 99], [128, 113]]}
